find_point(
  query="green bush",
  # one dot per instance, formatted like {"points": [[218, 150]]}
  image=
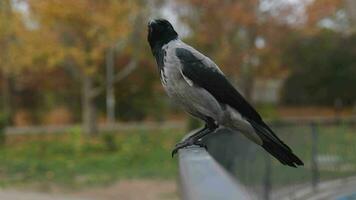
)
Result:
{"points": [[110, 142]]}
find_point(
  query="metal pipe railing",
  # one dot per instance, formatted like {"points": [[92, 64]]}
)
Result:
{"points": [[202, 178]]}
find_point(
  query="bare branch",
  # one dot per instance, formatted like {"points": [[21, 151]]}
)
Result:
{"points": [[96, 91], [126, 71], [120, 45], [133, 64]]}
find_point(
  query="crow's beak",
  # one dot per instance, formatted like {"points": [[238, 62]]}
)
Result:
{"points": [[150, 26], [152, 21]]}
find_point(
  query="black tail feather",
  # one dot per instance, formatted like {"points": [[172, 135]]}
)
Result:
{"points": [[274, 145], [285, 156]]}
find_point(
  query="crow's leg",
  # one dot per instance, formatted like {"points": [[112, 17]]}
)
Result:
{"points": [[210, 126], [195, 139]]}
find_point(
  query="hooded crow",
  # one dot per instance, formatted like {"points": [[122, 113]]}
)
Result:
{"points": [[196, 83]]}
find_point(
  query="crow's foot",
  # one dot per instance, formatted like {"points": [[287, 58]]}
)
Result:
{"points": [[187, 143]]}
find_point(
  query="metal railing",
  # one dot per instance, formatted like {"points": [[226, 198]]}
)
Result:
{"points": [[326, 145], [202, 178]]}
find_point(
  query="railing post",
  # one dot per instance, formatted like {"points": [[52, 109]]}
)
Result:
{"points": [[314, 158], [267, 184]]}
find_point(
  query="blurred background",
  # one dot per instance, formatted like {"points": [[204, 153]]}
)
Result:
{"points": [[83, 114]]}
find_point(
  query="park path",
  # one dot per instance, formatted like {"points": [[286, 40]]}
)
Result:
{"points": [[126, 189], [20, 195]]}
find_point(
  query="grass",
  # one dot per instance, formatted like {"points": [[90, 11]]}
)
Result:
{"points": [[73, 160]]}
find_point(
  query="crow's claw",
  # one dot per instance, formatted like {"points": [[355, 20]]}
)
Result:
{"points": [[202, 145], [187, 143]]}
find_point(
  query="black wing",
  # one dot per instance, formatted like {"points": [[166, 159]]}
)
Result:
{"points": [[205, 74], [211, 79]]}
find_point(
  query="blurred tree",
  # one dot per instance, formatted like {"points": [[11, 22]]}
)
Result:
{"points": [[242, 36], [319, 10], [5, 37], [249, 38], [111, 78], [76, 35], [320, 54], [10, 26], [323, 69]]}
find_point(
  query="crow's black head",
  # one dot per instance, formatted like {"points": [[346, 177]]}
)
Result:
{"points": [[160, 32]]}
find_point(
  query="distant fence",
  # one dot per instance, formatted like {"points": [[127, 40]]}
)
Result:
{"points": [[53, 129]]}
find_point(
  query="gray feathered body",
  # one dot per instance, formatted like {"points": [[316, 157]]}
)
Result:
{"points": [[196, 100]]}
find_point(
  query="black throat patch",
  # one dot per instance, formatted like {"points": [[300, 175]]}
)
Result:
{"points": [[160, 54]]}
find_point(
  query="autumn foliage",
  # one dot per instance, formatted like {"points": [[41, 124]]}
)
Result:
{"points": [[54, 53]]}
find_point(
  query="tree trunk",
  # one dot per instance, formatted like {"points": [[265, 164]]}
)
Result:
{"points": [[110, 92], [88, 106], [6, 99], [126, 71], [247, 70], [247, 81], [248, 86], [351, 11]]}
